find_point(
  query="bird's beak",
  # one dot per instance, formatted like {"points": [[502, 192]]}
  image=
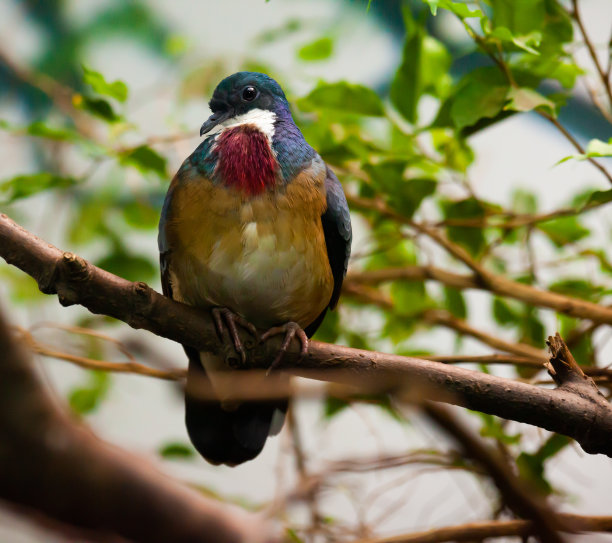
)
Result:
{"points": [[216, 118]]}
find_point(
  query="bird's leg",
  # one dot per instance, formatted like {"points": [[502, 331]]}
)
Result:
{"points": [[226, 318], [291, 330]]}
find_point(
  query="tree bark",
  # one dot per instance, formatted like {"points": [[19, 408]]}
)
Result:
{"points": [[76, 281]]}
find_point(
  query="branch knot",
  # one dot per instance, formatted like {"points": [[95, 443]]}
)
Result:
{"points": [[76, 267]]}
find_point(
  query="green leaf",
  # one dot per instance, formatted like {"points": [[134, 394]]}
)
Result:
{"points": [[553, 23], [141, 214], [578, 288], [22, 186], [424, 69], [317, 50], [460, 9], [21, 287], [96, 106], [524, 99], [117, 89], [582, 350], [344, 97], [175, 45], [176, 450], [598, 148], [41, 130], [329, 331], [602, 258], [532, 330], [129, 266], [405, 87], [435, 67], [87, 222], [409, 298], [600, 197], [291, 533], [532, 466], [458, 155], [520, 16], [595, 149], [505, 314], [87, 398], [524, 201], [404, 195], [274, 34], [398, 251], [492, 427], [482, 93], [145, 159], [526, 43], [473, 239], [411, 193], [332, 406], [564, 230], [455, 302]]}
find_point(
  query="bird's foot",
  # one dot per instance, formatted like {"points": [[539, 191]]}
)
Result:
{"points": [[291, 330], [226, 319]]}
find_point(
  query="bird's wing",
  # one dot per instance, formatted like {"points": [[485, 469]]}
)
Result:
{"points": [[338, 234], [336, 223], [162, 242]]}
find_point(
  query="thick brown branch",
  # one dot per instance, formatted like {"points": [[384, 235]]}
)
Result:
{"points": [[77, 281], [54, 466]]}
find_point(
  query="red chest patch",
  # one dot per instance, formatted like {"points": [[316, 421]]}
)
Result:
{"points": [[245, 159]]}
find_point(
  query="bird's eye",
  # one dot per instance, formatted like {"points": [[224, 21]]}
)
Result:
{"points": [[249, 94]]}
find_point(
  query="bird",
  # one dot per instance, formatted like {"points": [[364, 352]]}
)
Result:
{"points": [[255, 228]]}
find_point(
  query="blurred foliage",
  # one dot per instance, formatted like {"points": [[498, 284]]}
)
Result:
{"points": [[177, 450], [406, 154], [87, 397]]}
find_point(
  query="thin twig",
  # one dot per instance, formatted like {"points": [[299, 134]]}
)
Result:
{"points": [[101, 365], [605, 81], [480, 531]]}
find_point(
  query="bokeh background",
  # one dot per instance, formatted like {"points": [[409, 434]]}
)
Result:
{"points": [[170, 55]]}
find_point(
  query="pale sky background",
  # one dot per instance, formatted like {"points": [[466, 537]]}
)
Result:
{"points": [[140, 413]]}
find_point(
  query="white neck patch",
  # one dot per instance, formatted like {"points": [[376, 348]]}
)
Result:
{"points": [[263, 119]]}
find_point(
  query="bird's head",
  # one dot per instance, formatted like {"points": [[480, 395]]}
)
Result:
{"points": [[245, 97]]}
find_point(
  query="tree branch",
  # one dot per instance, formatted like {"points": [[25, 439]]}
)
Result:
{"points": [[574, 307], [77, 281], [55, 466], [478, 531], [444, 318], [605, 80], [515, 492]]}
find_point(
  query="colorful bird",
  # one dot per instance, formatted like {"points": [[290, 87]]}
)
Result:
{"points": [[255, 227]]}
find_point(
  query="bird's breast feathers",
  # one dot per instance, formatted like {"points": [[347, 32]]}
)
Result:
{"points": [[262, 255], [243, 153]]}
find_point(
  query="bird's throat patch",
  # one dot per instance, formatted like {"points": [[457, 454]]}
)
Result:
{"points": [[245, 159]]}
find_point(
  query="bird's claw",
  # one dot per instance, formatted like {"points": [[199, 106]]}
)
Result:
{"points": [[291, 330], [231, 319]]}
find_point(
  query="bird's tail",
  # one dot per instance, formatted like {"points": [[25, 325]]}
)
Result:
{"points": [[226, 433]]}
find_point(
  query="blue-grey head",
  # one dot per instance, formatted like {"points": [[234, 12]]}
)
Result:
{"points": [[242, 93]]}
